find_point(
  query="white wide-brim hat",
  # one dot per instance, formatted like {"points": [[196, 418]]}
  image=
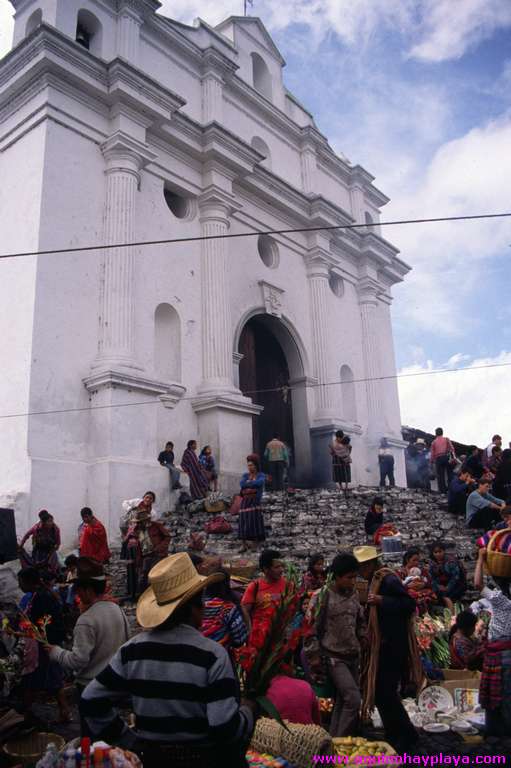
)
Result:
{"points": [[172, 582]]}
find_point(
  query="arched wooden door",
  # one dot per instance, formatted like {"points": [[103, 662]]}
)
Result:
{"points": [[262, 368]]}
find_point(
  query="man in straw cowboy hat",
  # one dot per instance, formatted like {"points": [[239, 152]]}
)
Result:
{"points": [[182, 685], [393, 655]]}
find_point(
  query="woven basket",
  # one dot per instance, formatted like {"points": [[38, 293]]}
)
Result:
{"points": [[30, 748], [498, 563], [297, 745]]}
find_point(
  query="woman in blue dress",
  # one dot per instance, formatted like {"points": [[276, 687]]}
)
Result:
{"points": [[251, 520]]}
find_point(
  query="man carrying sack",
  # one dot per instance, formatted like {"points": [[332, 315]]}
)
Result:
{"points": [[393, 655], [181, 685]]}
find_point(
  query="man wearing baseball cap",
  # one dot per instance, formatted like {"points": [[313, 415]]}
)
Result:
{"points": [[181, 685], [393, 654]]}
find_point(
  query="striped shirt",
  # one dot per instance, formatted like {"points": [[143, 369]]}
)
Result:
{"points": [[182, 688]]}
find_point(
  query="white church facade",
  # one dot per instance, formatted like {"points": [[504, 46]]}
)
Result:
{"points": [[120, 126]]}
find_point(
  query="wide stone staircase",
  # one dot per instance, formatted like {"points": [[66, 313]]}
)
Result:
{"points": [[309, 521]]}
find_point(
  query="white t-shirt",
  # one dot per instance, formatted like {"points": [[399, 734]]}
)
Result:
{"points": [[499, 606]]}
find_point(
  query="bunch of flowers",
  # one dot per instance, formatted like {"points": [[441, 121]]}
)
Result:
{"points": [[28, 629], [433, 637]]}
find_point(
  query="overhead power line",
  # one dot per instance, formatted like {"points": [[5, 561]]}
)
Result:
{"points": [[283, 390], [232, 235]]}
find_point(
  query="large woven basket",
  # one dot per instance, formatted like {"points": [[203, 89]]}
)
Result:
{"points": [[296, 745], [498, 563], [30, 748]]}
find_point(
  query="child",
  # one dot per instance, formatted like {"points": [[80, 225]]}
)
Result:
{"points": [[374, 517], [338, 634], [314, 577], [414, 574], [207, 462], [466, 651]]}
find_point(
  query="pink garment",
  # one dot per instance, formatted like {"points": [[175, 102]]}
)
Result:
{"points": [[294, 699], [439, 447]]}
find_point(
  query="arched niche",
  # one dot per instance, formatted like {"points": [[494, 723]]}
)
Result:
{"points": [[33, 22], [261, 77], [89, 32], [348, 395], [167, 343], [262, 147]]}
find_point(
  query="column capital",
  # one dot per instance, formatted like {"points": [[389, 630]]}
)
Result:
{"points": [[318, 262], [216, 203], [216, 64], [368, 290], [122, 152], [139, 7]]}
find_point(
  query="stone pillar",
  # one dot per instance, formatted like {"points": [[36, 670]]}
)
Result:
{"points": [[368, 301], [357, 203], [317, 270], [116, 321], [217, 372], [128, 32]]}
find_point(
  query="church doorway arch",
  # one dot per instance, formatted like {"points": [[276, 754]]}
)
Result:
{"points": [[271, 374]]}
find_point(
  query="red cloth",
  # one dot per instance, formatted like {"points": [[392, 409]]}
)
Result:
{"points": [[93, 542], [439, 447], [294, 699]]}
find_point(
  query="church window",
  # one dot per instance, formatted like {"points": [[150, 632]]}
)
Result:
{"points": [[349, 402], [89, 32], [262, 147], [167, 343], [182, 207], [268, 251], [336, 284], [261, 77], [35, 19]]}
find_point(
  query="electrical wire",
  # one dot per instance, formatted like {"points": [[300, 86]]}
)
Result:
{"points": [[256, 233], [284, 390]]}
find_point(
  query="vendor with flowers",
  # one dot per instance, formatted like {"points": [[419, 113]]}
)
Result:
{"points": [[263, 594]]}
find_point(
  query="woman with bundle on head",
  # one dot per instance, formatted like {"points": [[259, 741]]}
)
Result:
{"points": [[340, 451], [495, 685]]}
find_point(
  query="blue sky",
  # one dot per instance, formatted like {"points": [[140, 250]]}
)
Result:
{"points": [[418, 92]]}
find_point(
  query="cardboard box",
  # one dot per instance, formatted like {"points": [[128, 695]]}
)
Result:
{"points": [[461, 674]]}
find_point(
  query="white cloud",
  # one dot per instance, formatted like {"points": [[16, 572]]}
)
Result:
{"points": [[451, 27], [471, 405], [466, 176]]}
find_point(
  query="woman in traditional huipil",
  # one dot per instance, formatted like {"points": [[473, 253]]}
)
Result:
{"points": [[251, 520], [199, 483]]}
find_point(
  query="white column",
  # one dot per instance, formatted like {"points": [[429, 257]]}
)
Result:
{"points": [[368, 301], [116, 321], [309, 169], [128, 33], [217, 371], [212, 98], [319, 288]]}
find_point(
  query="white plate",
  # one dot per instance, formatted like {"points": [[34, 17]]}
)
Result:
{"points": [[436, 727], [461, 725], [435, 698]]}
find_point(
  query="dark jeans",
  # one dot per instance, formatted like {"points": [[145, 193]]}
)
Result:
{"points": [[485, 518], [84, 728], [387, 470], [277, 469], [444, 473], [391, 670]]}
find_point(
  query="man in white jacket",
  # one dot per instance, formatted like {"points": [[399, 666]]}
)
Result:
{"points": [[100, 631]]}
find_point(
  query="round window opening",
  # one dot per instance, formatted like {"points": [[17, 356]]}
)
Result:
{"points": [[180, 206], [336, 284], [268, 251]]}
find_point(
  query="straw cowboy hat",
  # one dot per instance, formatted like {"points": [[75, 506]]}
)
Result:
{"points": [[365, 553], [173, 581], [420, 441]]}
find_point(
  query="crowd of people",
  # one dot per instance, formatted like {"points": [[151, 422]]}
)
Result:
{"points": [[178, 674]]}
